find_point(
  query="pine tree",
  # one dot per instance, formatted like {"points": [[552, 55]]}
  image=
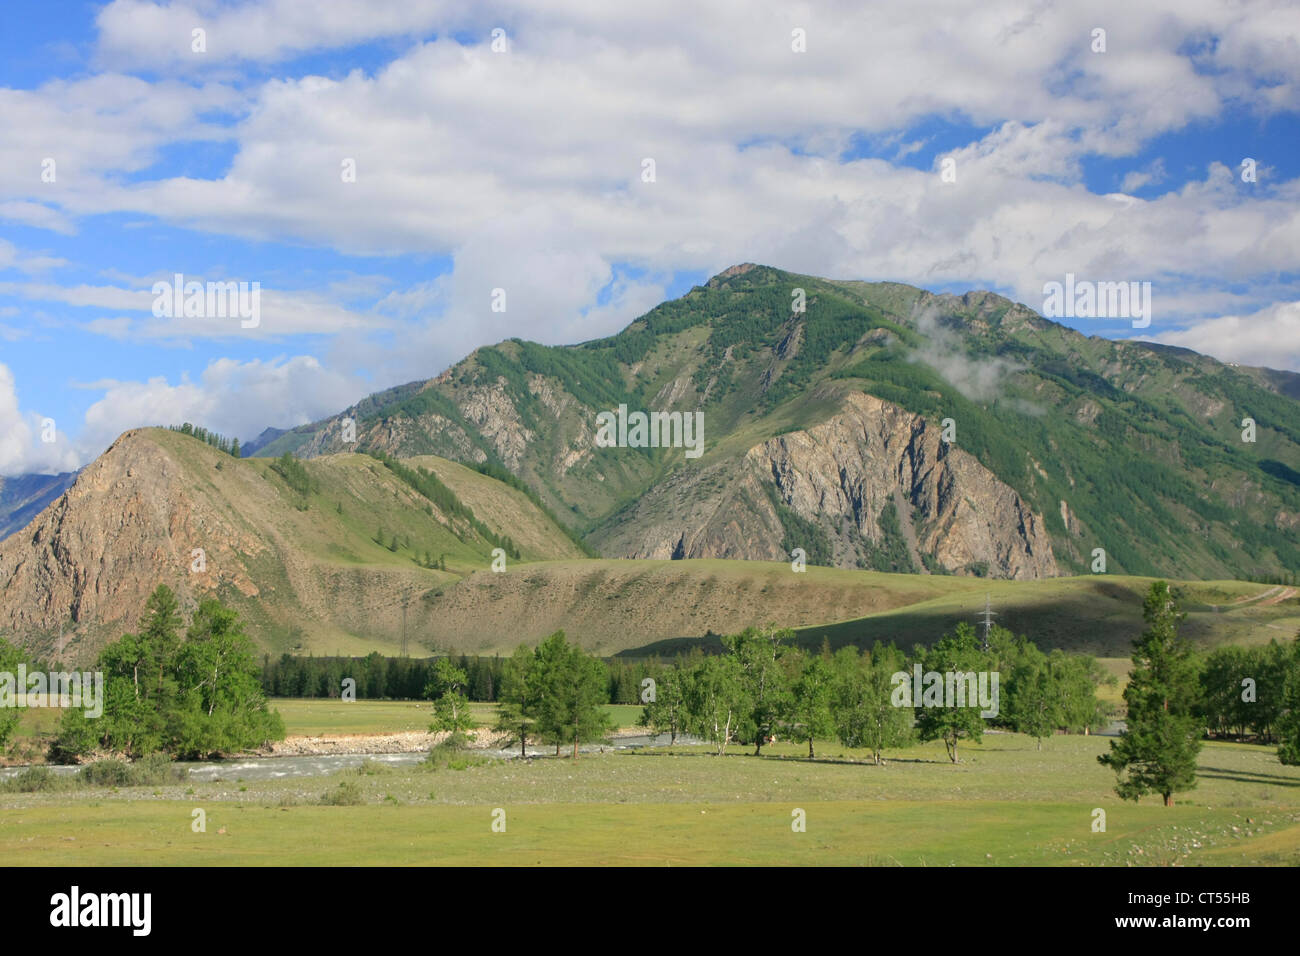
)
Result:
{"points": [[1158, 750]]}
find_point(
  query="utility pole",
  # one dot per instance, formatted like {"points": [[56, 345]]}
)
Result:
{"points": [[404, 597], [988, 616]]}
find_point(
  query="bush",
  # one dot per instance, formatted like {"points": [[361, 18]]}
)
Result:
{"points": [[38, 780], [453, 753], [348, 794], [150, 771], [107, 773]]}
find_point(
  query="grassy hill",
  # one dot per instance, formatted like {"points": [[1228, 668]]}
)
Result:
{"points": [[1098, 615], [638, 608], [318, 556]]}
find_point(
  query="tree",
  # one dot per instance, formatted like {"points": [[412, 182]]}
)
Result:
{"points": [[715, 699], [222, 708], [518, 698], [193, 698], [957, 653], [759, 658], [1221, 705], [1035, 703], [861, 700], [10, 658], [666, 713], [1269, 666], [1077, 678], [1158, 750], [450, 704], [809, 713], [1288, 723], [571, 693], [161, 634]]}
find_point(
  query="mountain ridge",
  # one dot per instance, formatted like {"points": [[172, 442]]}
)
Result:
{"points": [[1046, 410]]}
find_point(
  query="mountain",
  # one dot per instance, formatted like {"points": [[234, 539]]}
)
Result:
{"points": [[294, 549], [23, 497], [332, 555], [268, 435], [882, 427]]}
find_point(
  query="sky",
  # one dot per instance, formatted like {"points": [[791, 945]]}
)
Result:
{"points": [[380, 168]]}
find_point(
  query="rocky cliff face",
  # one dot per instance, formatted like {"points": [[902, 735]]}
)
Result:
{"points": [[842, 476], [304, 570], [92, 557]]}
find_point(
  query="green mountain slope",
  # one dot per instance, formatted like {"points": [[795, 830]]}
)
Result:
{"points": [[1064, 443]]}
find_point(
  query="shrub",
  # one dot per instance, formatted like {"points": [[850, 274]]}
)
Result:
{"points": [[106, 773], [38, 780], [149, 771], [348, 794]]}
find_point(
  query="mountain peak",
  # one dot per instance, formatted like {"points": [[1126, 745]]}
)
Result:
{"points": [[731, 272]]}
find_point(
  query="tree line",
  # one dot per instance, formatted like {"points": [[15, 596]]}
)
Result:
{"points": [[762, 687], [406, 678], [220, 442]]}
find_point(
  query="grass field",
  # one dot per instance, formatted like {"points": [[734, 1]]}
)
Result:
{"points": [[322, 716], [1005, 804]]}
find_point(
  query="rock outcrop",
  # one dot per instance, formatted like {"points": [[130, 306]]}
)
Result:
{"points": [[841, 475]]}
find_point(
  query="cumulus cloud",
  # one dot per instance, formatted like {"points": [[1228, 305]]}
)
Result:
{"points": [[231, 397], [1269, 337], [525, 168], [458, 151], [23, 448]]}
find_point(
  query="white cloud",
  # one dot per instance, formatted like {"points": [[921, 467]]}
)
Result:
{"points": [[525, 166], [22, 448], [1269, 337], [281, 312], [231, 397], [1153, 174]]}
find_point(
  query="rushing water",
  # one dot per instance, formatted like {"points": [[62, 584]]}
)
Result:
{"points": [[271, 768]]}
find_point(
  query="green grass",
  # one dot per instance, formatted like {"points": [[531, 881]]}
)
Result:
{"points": [[1005, 804], [315, 717], [838, 833]]}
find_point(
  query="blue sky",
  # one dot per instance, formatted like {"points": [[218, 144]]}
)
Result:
{"points": [[518, 166]]}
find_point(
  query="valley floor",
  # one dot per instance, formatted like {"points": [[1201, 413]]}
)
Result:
{"points": [[1006, 804]]}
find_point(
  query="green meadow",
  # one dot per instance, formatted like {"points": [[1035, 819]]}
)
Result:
{"points": [[1007, 803], [318, 716]]}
